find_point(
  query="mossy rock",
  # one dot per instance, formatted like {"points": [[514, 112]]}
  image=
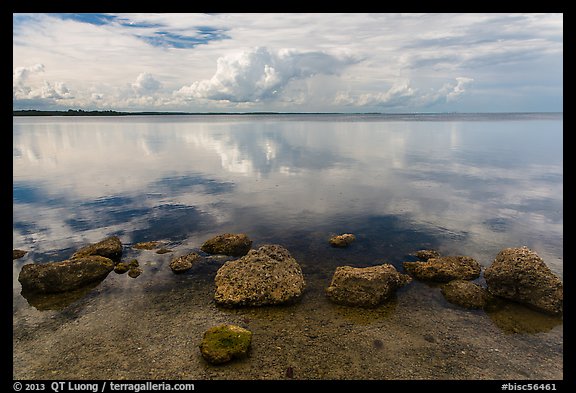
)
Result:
{"points": [[223, 343], [121, 268], [134, 272]]}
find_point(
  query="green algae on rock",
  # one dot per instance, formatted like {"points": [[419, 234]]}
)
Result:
{"points": [[223, 343], [134, 272], [121, 268]]}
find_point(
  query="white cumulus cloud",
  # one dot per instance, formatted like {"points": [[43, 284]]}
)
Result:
{"points": [[403, 95], [146, 84], [23, 87], [261, 74]]}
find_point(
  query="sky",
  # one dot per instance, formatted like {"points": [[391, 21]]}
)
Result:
{"points": [[287, 62]]}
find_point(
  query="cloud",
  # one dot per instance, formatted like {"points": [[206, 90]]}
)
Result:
{"points": [[24, 89], [403, 95], [146, 84], [458, 89], [261, 74], [20, 76]]}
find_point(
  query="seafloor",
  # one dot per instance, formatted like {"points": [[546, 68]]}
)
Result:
{"points": [[150, 327]]}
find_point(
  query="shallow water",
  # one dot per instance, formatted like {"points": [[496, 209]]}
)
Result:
{"points": [[461, 184]]}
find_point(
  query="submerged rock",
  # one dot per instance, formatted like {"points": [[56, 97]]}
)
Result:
{"points": [[444, 269], [146, 245], [121, 268], [111, 248], [235, 245], [54, 277], [424, 255], [17, 254], [519, 274], [342, 241], [366, 286], [183, 263], [134, 271], [269, 275], [223, 343], [465, 294]]}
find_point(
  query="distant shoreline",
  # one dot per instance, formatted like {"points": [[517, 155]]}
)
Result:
{"points": [[80, 112]]}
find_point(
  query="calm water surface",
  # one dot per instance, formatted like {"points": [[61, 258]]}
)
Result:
{"points": [[461, 184], [468, 185]]}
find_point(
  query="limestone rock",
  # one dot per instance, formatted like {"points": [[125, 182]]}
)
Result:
{"points": [[235, 245], [269, 275], [444, 269], [54, 277], [223, 343], [519, 274], [121, 268], [146, 245], [365, 287], [424, 255], [17, 254], [111, 248], [465, 294], [343, 240], [134, 272], [184, 262]]}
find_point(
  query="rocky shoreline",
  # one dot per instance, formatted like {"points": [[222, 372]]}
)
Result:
{"points": [[270, 275]]}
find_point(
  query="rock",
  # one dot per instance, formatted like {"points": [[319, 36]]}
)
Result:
{"points": [[341, 241], [111, 248], [121, 268], [223, 343], [465, 294], [146, 245], [54, 277], [17, 254], [183, 263], [134, 272], [235, 245], [424, 255], [366, 286], [268, 275], [163, 250], [444, 269], [519, 274]]}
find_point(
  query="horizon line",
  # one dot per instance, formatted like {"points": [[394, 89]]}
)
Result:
{"points": [[82, 112]]}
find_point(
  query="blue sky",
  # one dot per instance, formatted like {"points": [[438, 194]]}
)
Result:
{"points": [[289, 62]]}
